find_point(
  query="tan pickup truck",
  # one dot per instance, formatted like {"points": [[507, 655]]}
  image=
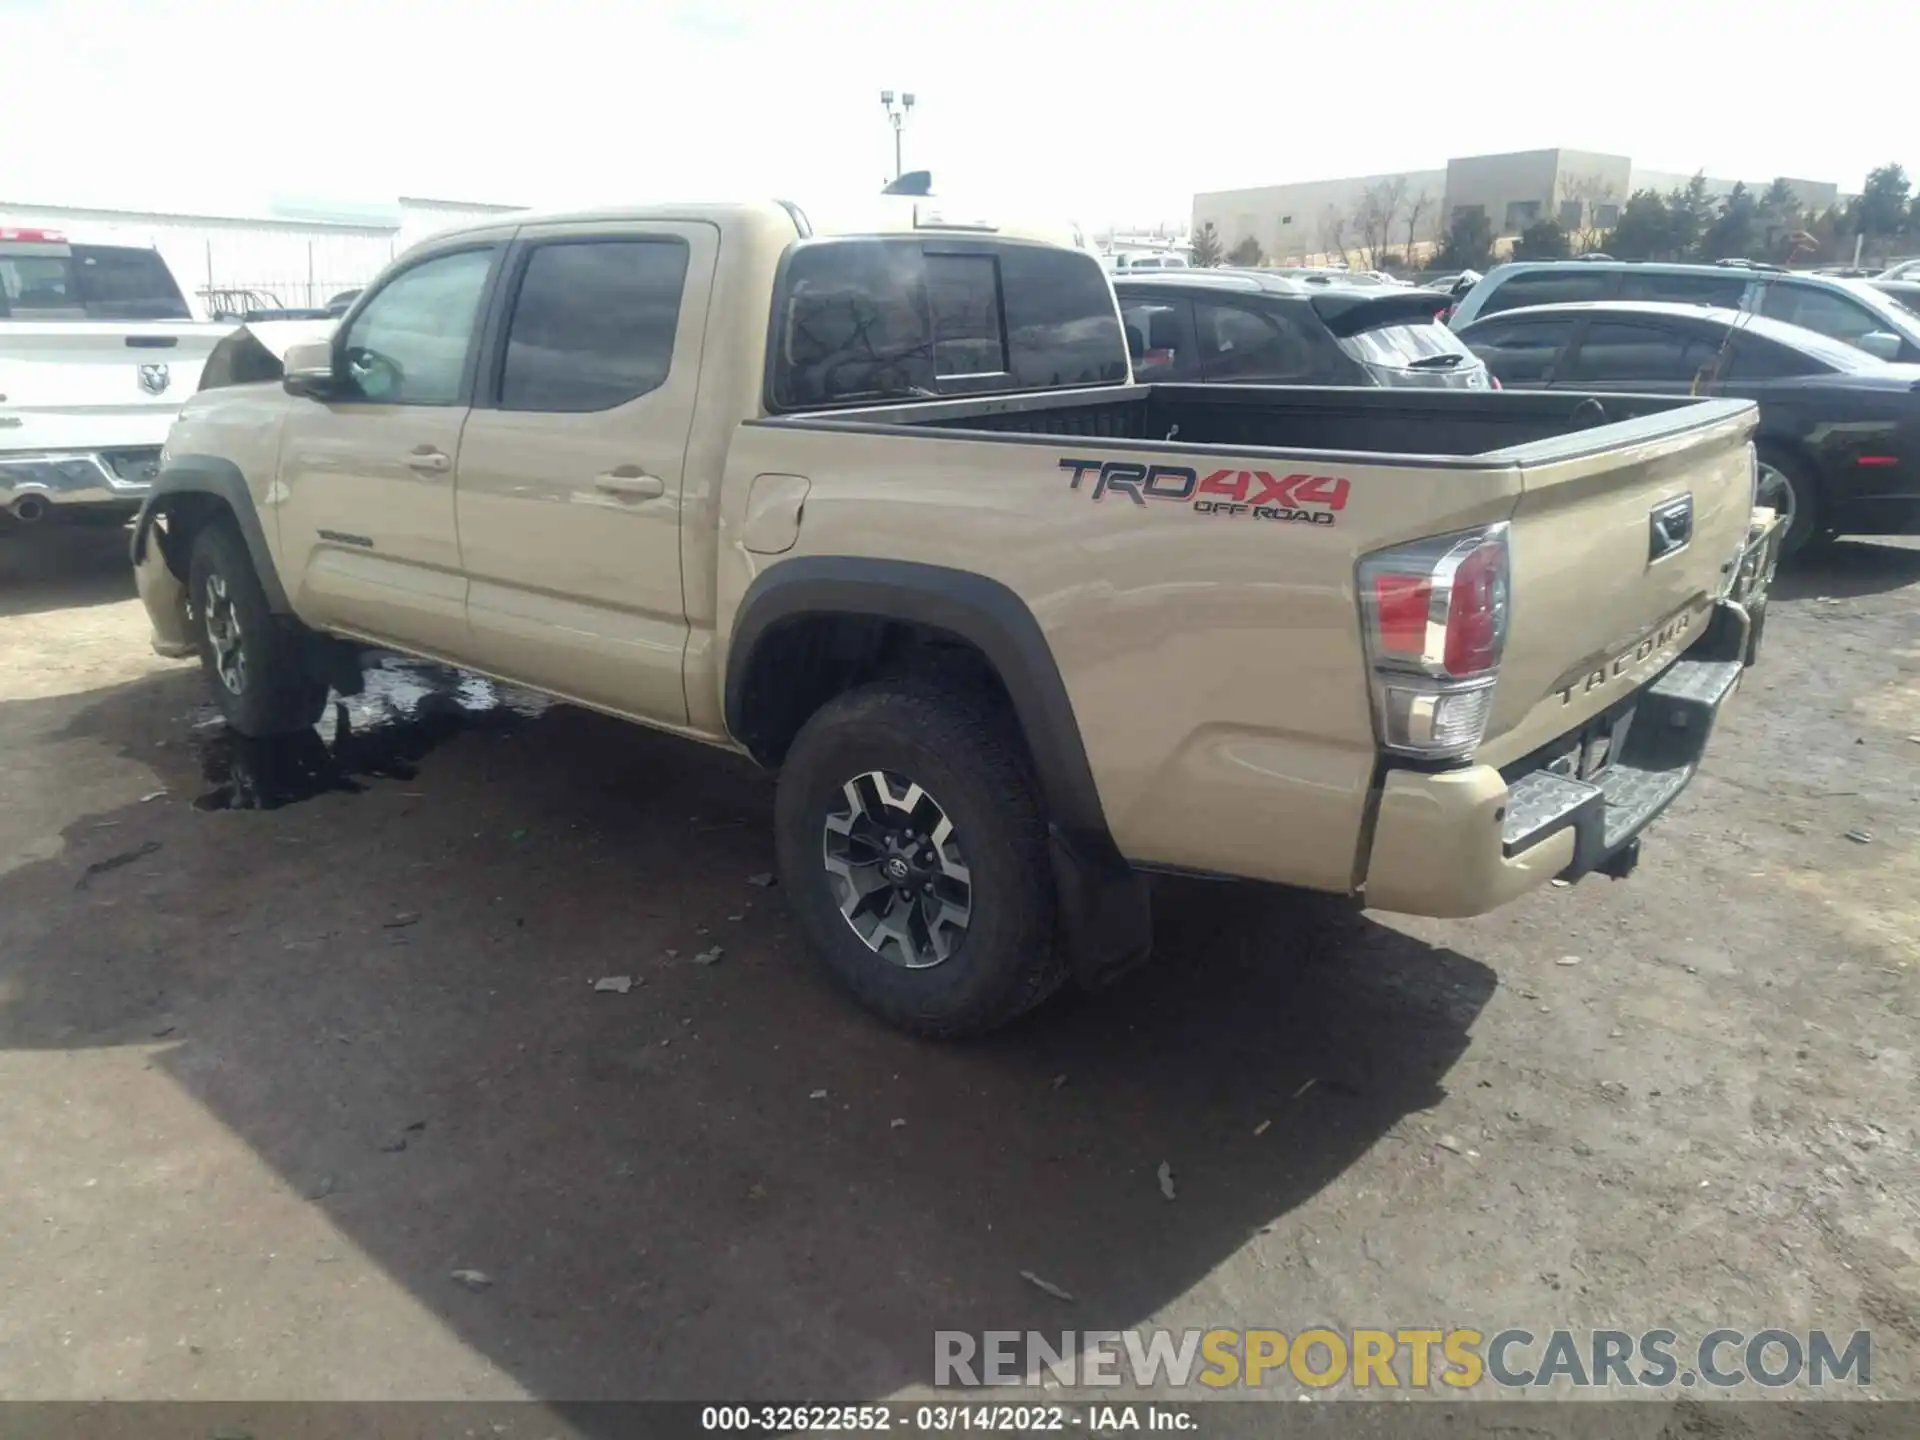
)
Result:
{"points": [[882, 508]]}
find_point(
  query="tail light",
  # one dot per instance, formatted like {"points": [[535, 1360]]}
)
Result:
{"points": [[1435, 614]]}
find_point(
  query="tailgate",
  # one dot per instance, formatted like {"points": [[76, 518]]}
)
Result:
{"points": [[1621, 542], [82, 385]]}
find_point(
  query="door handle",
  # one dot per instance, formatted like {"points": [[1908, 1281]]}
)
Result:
{"points": [[630, 483], [429, 460]]}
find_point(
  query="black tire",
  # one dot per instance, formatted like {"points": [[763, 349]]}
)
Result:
{"points": [[966, 757], [271, 691], [1799, 476]]}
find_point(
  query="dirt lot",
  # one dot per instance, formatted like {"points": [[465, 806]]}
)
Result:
{"points": [[271, 1075]]}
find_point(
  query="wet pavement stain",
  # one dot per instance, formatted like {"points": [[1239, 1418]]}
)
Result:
{"points": [[407, 709]]}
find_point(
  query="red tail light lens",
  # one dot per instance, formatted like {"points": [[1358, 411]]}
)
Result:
{"points": [[1477, 611], [1435, 615]]}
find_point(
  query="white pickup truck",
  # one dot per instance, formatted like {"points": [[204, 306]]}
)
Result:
{"points": [[98, 351]]}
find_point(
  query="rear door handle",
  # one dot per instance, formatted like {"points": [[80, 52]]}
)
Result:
{"points": [[630, 483], [429, 460]]}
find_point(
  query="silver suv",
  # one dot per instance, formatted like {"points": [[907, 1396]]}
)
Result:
{"points": [[1848, 310]]}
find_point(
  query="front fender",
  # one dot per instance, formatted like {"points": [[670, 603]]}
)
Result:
{"points": [[205, 483]]}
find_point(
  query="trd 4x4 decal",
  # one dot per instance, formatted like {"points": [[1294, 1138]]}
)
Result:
{"points": [[1253, 494]]}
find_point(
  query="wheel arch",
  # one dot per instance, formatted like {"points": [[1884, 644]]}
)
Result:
{"points": [[974, 611], [191, 491]]}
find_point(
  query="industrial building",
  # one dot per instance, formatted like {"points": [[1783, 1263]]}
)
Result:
{"points": [[1309, 221], [285, 255]]}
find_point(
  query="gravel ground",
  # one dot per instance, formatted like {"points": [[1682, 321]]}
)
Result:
{"points": [[289, 1036]]}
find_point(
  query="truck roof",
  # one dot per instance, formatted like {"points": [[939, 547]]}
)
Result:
{"points": [[860, 215]]}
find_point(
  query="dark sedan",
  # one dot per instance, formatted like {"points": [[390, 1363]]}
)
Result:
{"points": [[1839, 437]]}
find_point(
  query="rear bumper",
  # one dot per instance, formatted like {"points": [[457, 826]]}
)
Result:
{"points": [[1462, 842], [32, 484]]}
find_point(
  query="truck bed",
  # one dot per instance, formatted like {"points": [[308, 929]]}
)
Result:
{"points": [[1376, 426]]}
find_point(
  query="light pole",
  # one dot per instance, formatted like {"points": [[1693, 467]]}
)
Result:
{"points": [[897, 116]]}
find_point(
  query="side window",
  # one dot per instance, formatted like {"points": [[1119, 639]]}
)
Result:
{"points": [[1722, 290], [1613, 351], [409, 345], [1548, 287], [593, 323], [1238, 344], [1160, 338], [1521, 352], [1819, 309], [963, 292], [1757, 359]]}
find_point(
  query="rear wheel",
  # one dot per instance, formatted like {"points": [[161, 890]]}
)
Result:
{"points": [[913, 851], [1786, 485], [252, 656]]}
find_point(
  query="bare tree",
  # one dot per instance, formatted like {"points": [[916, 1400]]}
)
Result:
{"points": [[1379, 208], [1333, 234], [1419, 205], [1589, 192]]}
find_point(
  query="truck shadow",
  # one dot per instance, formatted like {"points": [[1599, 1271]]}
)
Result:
{"points": [[725, 1180], [58, 567]]}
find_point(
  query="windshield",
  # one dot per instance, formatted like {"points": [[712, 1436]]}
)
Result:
{"points": [[91, 282]]}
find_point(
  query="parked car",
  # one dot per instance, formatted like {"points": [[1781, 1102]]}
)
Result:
{"points": [[833, 499], [1901, 292], [1849, 310], [1839, 436], [1901, 270], [1254, 327], [98, 350]]}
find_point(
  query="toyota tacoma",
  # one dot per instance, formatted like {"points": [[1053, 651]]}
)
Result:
{"points": [[878, 503]]}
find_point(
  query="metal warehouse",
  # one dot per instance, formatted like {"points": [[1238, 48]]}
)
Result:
{"points": [[286, 255]]}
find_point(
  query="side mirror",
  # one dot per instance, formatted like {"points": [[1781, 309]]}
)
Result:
{"points": [[310, 372], [1881, 344]]}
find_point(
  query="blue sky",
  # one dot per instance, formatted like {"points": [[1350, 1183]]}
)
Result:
{"points": [[1101, 112]]}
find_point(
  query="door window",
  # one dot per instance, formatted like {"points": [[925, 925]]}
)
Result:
{"points": [[1820, 309], [1613, 351], [1521, 352], [1238, 344], [593, 323], [1558, 286], [1160, 338], [1683, 289], [409, 345]]}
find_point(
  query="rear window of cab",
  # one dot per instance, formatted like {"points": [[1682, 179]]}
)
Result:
{"points": [[865, 321]]}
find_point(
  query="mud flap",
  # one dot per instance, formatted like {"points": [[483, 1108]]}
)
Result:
{"points": [[1105, 909]]}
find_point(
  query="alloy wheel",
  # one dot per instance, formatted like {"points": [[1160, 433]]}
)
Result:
{"points": [[224, 635], [898, 874], [1776, 491]]}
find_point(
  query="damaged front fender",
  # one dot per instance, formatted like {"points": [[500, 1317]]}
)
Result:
{"points": [[256, 353], [163, 593]]}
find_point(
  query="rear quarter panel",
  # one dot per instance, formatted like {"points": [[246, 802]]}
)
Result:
{"points": [[1213, 661]]}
